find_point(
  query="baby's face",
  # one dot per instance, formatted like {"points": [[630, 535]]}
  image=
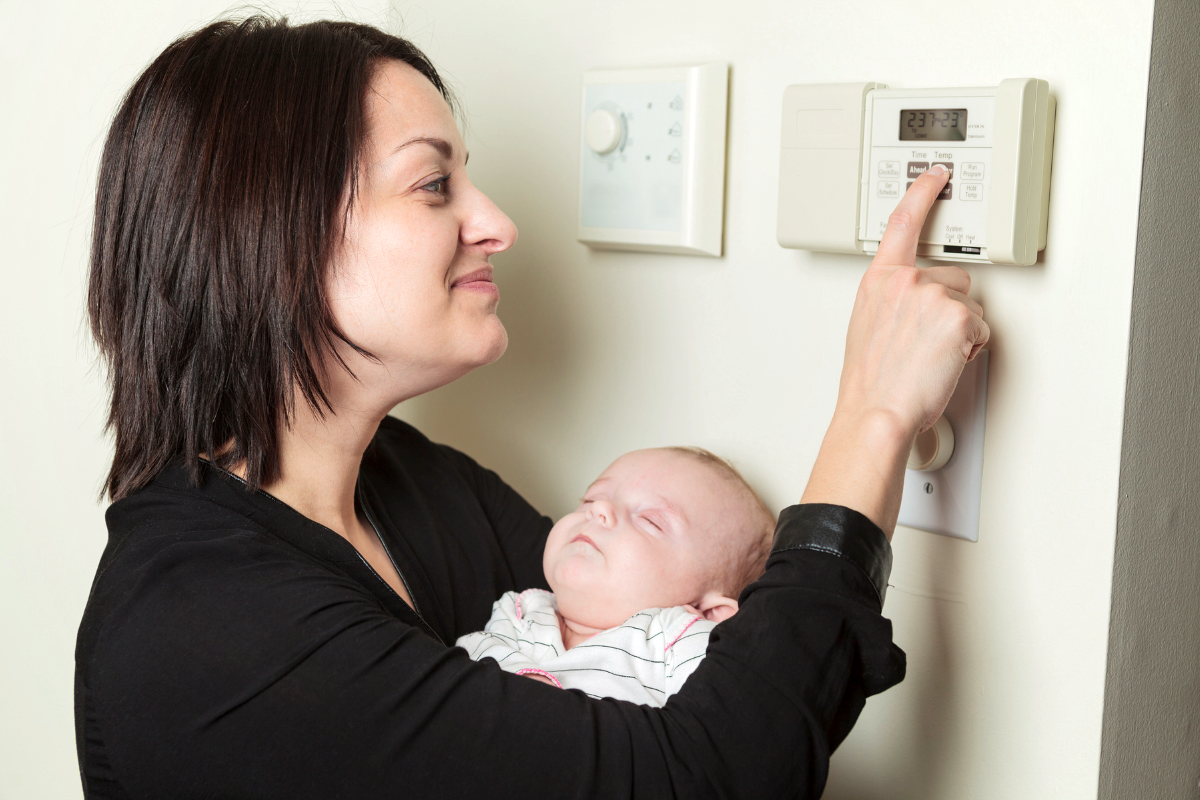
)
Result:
{"points": [[647, 534]]}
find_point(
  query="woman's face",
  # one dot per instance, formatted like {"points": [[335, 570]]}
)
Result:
{"points": [[412, 284]]}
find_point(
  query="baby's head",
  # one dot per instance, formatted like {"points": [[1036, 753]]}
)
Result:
{"points": [[659, 528]]}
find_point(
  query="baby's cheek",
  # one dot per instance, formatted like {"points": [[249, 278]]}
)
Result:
{"points": [[662, 579], [642, 576]]}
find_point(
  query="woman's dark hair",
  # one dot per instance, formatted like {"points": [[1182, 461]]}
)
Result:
{"points": [[218, 208]]}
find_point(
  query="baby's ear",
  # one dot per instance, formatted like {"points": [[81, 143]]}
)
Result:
{"points": [[714, 607]]}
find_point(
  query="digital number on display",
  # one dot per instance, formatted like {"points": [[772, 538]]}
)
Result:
{"points": [[933, 125]]}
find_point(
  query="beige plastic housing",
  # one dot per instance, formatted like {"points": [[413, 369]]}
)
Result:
{"points": [[827, 134], [821, 146], [1021, 154]]}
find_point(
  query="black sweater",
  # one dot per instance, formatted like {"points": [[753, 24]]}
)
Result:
{"points": [[231, 648]]}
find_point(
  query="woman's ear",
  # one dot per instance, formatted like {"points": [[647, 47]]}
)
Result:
{"points": [[714, 607]]}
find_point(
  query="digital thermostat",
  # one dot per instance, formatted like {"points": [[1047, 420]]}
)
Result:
{"points": [[850, 151], [652, 158]]}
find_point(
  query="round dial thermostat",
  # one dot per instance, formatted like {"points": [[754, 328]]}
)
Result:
{"points": [[604, 130], [933, 448]]}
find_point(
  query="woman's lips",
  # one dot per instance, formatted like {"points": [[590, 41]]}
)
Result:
{"points": [[478, 281]]}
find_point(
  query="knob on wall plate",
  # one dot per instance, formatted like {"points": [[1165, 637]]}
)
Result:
{"points": [[933, 448], [945, 499], [604, 130]]}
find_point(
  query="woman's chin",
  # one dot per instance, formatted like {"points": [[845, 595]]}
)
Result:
{"points": [[492, 343]]}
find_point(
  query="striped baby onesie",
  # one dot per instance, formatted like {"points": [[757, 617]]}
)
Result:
{"points": [[644, 660]]}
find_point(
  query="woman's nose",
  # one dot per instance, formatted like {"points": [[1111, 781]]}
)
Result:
{"points": [[485, 225]]}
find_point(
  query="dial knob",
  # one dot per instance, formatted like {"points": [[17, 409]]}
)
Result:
{"points": [[604, 130], [933, 448]]}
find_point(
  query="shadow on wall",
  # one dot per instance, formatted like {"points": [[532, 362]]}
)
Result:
{"points": [[915, 733]]}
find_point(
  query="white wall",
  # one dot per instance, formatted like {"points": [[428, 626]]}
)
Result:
{"points": [[609, 352], [63, 67]]}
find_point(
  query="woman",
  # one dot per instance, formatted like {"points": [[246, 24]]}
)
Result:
{"points": [[286, 246]]}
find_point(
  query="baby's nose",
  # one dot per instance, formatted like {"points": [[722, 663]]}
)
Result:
{"points": [[602, 512]]}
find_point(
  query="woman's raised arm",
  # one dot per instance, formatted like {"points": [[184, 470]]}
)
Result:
{"points": [[910, 335]]}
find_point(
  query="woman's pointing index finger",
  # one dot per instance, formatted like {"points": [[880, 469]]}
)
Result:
{"points": [[899, 244]]}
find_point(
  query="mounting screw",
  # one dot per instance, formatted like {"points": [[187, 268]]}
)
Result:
{"points": [[929, 488]]}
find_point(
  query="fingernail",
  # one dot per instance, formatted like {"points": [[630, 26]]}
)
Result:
{"points": [[938, 169]]}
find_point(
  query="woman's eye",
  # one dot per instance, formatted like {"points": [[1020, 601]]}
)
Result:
{"points": [[438, 185]]}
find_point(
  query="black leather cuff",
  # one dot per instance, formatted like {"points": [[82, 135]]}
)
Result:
{"points": [[839, 531]]}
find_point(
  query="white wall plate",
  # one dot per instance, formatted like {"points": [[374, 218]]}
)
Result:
{"points": [[946, 500], [652, 159]]}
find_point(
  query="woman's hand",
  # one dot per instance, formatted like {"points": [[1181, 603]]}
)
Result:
{"points": [[912, 329], [911, 332]]}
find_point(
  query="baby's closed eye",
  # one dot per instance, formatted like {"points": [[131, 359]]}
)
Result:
{"points": [[653, 523]]}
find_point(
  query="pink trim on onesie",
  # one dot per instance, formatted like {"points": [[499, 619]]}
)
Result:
{"points": [[541, 672], [517, 601], [682, 632]]}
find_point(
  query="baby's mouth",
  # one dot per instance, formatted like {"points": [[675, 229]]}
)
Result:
{"points": [[582, 538]]}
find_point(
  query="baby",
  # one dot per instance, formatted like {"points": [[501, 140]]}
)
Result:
{"points": [[655, 556]]}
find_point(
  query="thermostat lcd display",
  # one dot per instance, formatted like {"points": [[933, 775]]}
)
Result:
{"points": [[933, 125]]}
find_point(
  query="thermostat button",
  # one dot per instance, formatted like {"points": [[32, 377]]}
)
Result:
{"points": [[971, 191], [917, 168], [889, 188], [949, 165], [972, 171], [889, 169], [945, 194]]}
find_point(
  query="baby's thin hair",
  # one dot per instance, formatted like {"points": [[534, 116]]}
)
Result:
{"points": [[748, 557]]}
